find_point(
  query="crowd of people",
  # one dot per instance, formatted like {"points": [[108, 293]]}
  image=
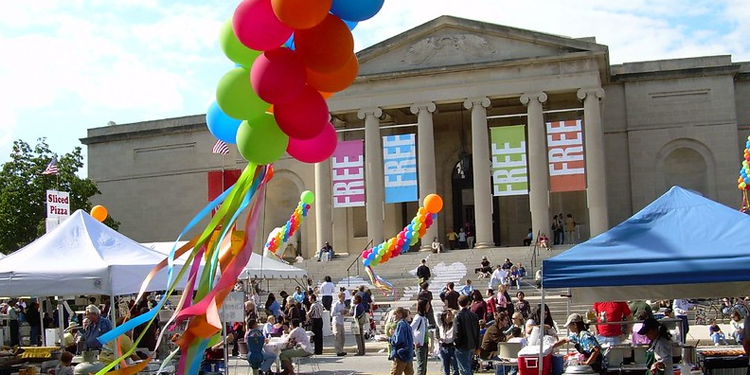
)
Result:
{"points": [[283, 323]]}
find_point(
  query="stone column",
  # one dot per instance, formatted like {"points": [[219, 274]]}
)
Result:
{"points": [[323, 204], [374, 183], [538, 162], [480, 152], [596, 176], [426, 160]]}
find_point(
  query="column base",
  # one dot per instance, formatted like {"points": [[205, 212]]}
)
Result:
{"points": [[425, 248], [483, 245]]}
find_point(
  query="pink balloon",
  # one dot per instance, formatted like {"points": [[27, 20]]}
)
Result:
{"points": [[278, 76], [316, 149], [256, 26], [304, 117]]}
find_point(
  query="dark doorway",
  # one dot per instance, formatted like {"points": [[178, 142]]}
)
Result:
{"points": [[463, 192]]}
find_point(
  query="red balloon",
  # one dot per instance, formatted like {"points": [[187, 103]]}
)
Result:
{"points": [[278, 76], [316, 149], [304, 117], [326, 47], [334, 81], [257, 27]]}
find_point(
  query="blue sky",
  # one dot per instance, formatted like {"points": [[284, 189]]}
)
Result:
{"points": [[70, 65]]}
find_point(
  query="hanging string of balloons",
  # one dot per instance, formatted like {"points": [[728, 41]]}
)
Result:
{"points": [[743, 182], [395, 246], [282, 235]]}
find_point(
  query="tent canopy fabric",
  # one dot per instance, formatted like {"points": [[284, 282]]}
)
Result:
{"points": [[682, 245], [258, 267], [80, 256]]}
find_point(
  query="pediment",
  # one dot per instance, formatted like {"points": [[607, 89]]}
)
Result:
{"points": [[450, 41]]}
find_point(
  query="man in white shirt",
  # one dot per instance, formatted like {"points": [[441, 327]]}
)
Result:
{"points": [[338, 311], [297, 344], [498, 277]]}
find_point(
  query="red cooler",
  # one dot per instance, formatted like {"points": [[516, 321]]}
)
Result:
{"points": [[530, 365]]}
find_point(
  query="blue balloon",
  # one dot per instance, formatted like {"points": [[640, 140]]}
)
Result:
{"points": [[371, 256], [220, 125], [366, 262], [290, 43], [434, 217], [351, 24], [359, 10]]}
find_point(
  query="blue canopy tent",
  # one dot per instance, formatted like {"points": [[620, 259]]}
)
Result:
{"points": [[682, 245]]}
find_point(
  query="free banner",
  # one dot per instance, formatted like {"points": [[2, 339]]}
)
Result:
{"points": [[510, 173], [565, 153], [400, 168], [348, 174]]}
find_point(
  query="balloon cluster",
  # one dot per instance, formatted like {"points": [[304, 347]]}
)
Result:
{"points": [[408, 236], [290, 56], [300, 213], [743, 182]]}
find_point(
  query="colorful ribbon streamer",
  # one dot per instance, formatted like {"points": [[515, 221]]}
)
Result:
{"points": [[221, 257]]}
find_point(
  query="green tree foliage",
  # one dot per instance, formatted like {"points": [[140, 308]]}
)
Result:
{"points": [[23, 190]]}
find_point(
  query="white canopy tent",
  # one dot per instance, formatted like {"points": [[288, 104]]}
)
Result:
{"points": [[258, 267], [81, 256]]}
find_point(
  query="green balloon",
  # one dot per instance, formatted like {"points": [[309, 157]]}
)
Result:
{"points": [[232, 47], [235, 96], [413, 240], [261, 142], [307, 197]]}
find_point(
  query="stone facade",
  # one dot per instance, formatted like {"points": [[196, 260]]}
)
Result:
{"points": [[654, 124]]}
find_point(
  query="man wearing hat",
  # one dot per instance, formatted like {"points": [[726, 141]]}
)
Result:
{"points": [[70, 338], [585, 343], [484, 268]]}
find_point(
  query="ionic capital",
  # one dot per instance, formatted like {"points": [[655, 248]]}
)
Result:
{"points": [[541, 97], [482, 100], [372, 111], [426, 106]]}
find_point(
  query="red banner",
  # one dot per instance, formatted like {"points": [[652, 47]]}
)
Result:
{"points": [[566, 157], [220, 181]]}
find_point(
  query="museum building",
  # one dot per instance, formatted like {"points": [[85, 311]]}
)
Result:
{"points": [[509, 126]]}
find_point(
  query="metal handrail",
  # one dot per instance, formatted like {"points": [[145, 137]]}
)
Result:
{"points": [[356, 261], [534, 252]]}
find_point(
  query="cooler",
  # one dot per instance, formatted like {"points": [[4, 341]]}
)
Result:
{"points": [[530, 365]]}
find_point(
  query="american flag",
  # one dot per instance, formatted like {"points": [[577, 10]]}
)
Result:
{"points": [[51, 167], [221, 147]]}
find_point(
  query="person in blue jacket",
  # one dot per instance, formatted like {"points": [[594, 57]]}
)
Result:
{"points": [[402, 345]]}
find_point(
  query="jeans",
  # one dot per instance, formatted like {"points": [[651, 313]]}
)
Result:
{"points": [[421, 359], [36, 332], [329, 254], [448, 359], [463, 359], [684, 327], [718, 338], [268, 359], [614, 340]]}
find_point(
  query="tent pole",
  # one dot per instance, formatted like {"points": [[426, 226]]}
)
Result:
{"points": [[542, 315], [41, 321], [61, 320]]}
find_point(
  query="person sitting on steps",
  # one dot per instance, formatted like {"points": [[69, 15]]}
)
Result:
{"points": [[327, 249]]}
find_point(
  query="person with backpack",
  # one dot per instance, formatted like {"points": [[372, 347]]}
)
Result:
{"points": [[423, 272]]}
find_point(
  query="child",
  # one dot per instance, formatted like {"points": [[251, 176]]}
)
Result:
{"points": [[544, 242], [738, 326], [716, 335], [64, 367]]}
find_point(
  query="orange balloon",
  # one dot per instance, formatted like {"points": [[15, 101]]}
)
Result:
{"points": [[334, 81], [326, 47], [325, 95], [422, 231], [301, 14], [98, 212], [433, 203]]}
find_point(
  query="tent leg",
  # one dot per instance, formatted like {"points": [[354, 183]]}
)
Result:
{"points": [[542, 315], [41, 322], [61, 319]]}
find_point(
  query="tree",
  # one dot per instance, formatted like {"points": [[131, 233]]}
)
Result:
{"points": [[23, 190]]}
